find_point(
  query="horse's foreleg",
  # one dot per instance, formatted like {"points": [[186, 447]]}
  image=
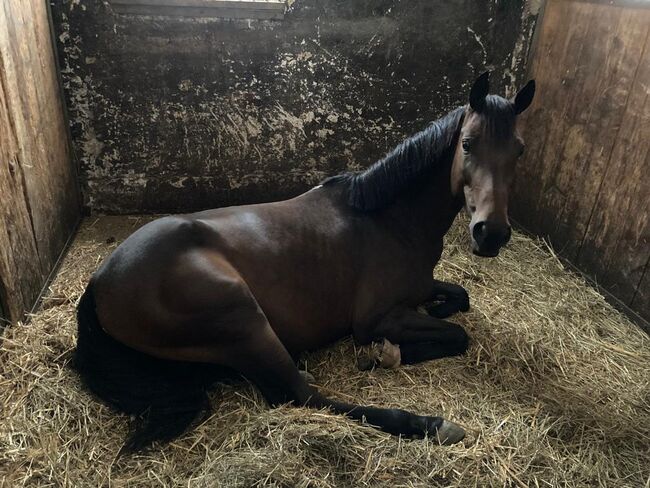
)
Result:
{"points": [[418, 336], [446, 300]]}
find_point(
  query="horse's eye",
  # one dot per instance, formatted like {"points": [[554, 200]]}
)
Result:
{"points": [[466, 145]]}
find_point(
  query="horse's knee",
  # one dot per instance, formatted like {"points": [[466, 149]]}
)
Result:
{"points": [[391, 325], [365, 333]]}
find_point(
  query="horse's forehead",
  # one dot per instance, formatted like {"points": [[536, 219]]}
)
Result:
{"points": [[492, 127], [473, 122]]}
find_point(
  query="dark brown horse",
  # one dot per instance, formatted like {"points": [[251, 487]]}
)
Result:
{"points": [[245, 289]]}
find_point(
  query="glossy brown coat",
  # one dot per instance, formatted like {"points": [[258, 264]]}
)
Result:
{"points": [[250, 287]]}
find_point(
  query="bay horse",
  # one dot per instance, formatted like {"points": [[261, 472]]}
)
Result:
{"points": [[245, 289]]}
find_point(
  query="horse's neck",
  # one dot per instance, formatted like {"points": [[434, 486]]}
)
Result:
{"points": [[428, 212]]}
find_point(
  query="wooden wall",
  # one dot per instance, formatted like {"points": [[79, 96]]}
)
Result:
{"points": [[585, 180], [39, 204]]}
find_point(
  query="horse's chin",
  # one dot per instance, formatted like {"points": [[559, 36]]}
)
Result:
{"points": [[485, 253]]}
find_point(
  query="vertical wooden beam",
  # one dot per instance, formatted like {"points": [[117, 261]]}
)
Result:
{"points": [[583, 182], [39, 206], [617, 236]]}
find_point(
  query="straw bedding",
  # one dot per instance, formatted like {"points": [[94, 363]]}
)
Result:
{"points": [[553, 392]]}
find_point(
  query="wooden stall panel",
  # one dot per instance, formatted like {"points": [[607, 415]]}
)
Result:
{"points": [[20, 269], [617, 239], [39, 201], [583, 182]]}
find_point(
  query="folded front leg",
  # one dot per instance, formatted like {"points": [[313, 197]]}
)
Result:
{"points": [[446, 300], [421, 337]]}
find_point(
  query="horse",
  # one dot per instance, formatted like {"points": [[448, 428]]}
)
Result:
{"points": [[244, 290]]}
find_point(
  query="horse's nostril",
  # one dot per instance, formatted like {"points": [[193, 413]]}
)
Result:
{"points": [[490, 236], [479, 232]]}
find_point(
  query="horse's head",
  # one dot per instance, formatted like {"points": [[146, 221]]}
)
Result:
{"points": [[484, 162]]}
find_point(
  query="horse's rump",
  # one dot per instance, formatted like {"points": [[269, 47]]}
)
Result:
{"points": [[165, 396]]}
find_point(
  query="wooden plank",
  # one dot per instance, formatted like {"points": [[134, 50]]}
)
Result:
{"points": [[20, 271], [638, 4], [530, 168], [585, 172], [641, 300], [51, 173], [569, 149], [610, 64], [39, 207], [563, 38], [617, 242], [619, 226]]}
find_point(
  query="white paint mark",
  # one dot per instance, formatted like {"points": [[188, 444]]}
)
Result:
{"points": [[480, 43]]}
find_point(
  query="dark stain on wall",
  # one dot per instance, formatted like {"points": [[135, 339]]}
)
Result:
{"points": [[176, 114]]}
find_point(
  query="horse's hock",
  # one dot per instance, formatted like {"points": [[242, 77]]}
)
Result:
{"points": [[111, 110]]}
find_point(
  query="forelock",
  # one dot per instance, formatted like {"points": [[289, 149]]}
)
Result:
{"points": [[499, 117]]}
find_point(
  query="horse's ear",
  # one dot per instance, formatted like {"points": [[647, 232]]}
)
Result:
{"points": [[479, 91], [524, 97]]}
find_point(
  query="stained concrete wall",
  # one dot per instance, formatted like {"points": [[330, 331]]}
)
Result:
{"points": [[176, 114]]}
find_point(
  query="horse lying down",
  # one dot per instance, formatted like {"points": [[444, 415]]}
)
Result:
{"points": [[246, 289]]}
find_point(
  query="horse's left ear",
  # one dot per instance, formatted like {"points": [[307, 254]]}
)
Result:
{"points": [[479, 91], [524, 97]]}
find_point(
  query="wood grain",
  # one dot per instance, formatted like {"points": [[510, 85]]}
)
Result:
{"points": [[585, 183], [618, 234], [39, 206]]}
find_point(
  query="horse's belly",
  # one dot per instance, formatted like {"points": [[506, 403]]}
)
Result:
{"points": [[303, 320]]}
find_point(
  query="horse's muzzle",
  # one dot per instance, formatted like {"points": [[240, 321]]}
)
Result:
{"points": [[488, 238]]}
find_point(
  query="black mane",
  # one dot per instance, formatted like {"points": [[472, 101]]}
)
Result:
{"points": [[385, 180], [408, 164]]}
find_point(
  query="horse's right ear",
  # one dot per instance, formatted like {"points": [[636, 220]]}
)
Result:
{"points": [[524, 97], [479, 91]]}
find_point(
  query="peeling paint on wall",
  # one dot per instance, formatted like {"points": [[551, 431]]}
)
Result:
{"points": [[174, 114]]}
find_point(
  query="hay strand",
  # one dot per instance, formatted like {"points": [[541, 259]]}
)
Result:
{"points": [[554, 392]]}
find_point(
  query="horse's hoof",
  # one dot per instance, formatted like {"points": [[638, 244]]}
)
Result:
{"points": [[308, 377], [449, 433], [383, 354], [464, 303], [390, 355], [366, 363]]}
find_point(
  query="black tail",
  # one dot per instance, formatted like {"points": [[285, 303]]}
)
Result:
{"points": [[165, 396]]}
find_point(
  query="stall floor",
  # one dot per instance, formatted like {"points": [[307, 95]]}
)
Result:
{"points": [[554, 391]]}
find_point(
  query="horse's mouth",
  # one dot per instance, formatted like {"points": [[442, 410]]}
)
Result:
{"points": [[485, 253]]}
